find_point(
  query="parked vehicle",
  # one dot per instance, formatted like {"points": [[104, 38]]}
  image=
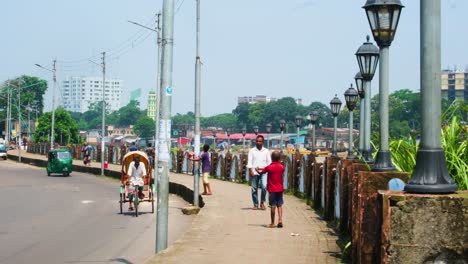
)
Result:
{"points": [[3, 152], [59, 161]]}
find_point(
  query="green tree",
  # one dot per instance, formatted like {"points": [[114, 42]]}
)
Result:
{"points": [[65, 128], [145, 127], [129, 114], [32, 90]]}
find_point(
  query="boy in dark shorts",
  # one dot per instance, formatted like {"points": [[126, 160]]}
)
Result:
{"points": [[275, 187]]}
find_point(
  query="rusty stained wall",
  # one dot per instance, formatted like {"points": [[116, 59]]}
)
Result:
{"points": [[424, 228]]}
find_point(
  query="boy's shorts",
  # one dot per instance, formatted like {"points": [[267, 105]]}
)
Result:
{"points": [[275, 199]]}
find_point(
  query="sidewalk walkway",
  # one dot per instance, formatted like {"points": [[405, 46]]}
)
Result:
{"points": [[227, 231]]}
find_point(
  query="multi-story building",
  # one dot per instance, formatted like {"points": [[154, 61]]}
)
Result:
{"points": [[255, 99], [79, 92], [455, 85], [151, 111]]}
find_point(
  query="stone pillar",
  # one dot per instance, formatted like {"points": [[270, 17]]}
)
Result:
{"points": [[423, 228], [365, 226]]}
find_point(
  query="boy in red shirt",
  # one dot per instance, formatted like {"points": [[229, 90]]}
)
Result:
{"points": [[275, 187]]}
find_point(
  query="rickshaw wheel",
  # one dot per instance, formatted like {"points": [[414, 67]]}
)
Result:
{"points": [[135, 204], [151, 197], [121, 204]]}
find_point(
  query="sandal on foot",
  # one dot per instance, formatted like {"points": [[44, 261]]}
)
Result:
{"points": [[280, 225], [271, 226], [130, 208]]}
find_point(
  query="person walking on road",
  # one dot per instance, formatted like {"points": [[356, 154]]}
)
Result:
{"points": [[259, 157], [275, 187]]}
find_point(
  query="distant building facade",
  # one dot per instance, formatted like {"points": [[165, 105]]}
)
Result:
{"points": [[261, 99], [79, 93], [455, 85], [151, 112], [255, 99]]}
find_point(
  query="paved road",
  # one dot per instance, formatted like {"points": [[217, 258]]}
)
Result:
{"points": [[74, 219]]}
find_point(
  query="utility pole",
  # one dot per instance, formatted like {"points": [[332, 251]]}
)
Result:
{"points": [[158, 99], [7, 120], [19, 123], [196, 177], [53, 106], [103, 128], [165, 124], [54, 71]]}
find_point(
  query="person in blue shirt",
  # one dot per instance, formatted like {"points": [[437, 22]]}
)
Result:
{"points": [[133, 147]]}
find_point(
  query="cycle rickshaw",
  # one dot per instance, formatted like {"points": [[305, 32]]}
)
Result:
{"points": [[126, 188]]}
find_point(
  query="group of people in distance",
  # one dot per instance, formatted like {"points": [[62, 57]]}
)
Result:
{"points": [[265, 171]]}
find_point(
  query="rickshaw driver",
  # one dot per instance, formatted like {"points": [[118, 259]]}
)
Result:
{"points": [[136, 172]]}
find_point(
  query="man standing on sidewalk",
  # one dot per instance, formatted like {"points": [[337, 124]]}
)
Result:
{"points": [[259, 157]]}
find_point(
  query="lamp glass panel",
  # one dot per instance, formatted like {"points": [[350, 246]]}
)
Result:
{"points": [[396, 15], [372, 20], [384, 18]]}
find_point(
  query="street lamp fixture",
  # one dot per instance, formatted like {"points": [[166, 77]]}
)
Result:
{"points": [[313, 120], [298, 121], [268, 130], [359, 84], [228, 132], [255, 129], [214, 131], [351, 97], [383, 17], [244, 131], [335, 105], [367, 56], [282, 124]]}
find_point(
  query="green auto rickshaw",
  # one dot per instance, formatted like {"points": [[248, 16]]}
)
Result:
{"points": [[59, 161]]}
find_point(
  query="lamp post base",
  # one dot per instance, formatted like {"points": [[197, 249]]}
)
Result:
{"points": [[431, 174], [351, 156], [334, 154], [367, 157], [383, 162]]}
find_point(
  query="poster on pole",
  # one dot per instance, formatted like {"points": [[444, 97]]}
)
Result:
{"points": [[164, 139]]}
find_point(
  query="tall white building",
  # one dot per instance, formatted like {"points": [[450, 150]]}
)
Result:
{"points": [[79, 92]]}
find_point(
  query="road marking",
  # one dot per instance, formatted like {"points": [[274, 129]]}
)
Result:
{"points": [[87, 201]]}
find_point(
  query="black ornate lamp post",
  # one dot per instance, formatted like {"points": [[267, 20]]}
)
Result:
{"points": [[268, 130], [228, 132], [244, 131], [298, 121], [335, 105], [313, 120], [351, 97], [282, 123], [430, 174], [368, 57], [383, 16], [255, 129], [214, 137], [360, 89]]}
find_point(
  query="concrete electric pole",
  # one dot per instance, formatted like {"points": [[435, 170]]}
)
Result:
{"points": [[165, 124], [196, 177]]}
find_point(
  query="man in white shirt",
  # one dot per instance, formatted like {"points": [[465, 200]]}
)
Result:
{"points": [[259, 157], [136, 172]]}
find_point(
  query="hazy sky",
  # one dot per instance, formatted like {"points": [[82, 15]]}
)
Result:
{"points": [[299, 48]]}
